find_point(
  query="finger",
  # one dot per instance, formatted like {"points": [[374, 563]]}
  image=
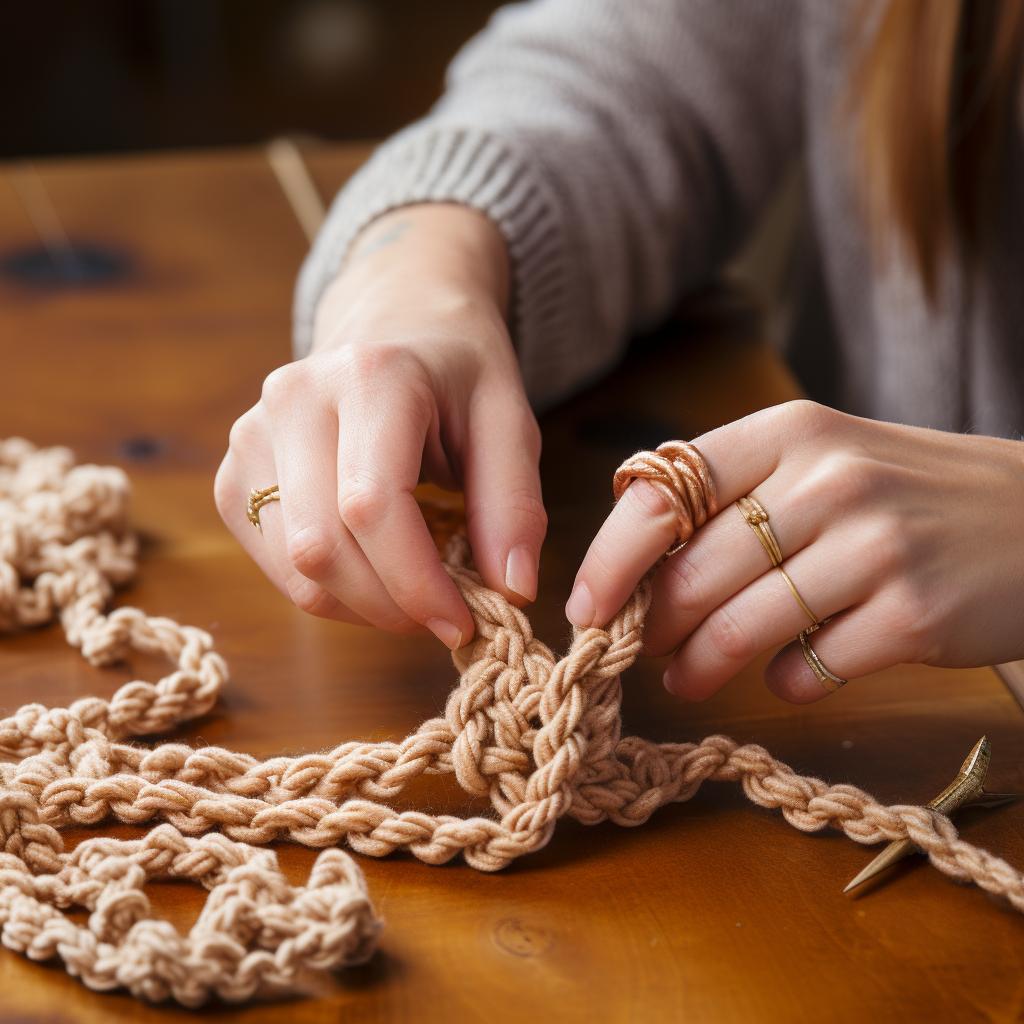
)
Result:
{"points": [[762, 616], [639, 529], [740, 456], [380, 450], [232, 484], [308, 528], [722, 558], [863, 640], [505, 514]]}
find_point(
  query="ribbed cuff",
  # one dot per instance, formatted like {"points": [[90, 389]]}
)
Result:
{"points": [[427, 163]]}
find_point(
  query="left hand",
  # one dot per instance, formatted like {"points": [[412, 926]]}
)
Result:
{"points": [[909, 540]]}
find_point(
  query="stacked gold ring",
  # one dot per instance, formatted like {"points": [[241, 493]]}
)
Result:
{"points": [[828, 679], [816, 623], [258, 497], [757, 518]]}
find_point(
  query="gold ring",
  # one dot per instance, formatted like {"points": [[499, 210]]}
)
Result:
{"points": [[828, 679], [257, 499], [816, 623], [756, 516], [679, 471], [757, 519]]}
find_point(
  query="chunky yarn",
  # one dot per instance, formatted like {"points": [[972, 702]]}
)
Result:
{"points": [[538, 736]]}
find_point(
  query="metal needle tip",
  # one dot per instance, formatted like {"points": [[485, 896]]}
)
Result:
{"points": [[966, 788]]}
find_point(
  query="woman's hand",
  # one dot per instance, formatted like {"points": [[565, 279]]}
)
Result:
{"points": [[908, 540], [412, 375]]}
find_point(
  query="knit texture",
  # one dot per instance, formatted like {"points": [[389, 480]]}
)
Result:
{"points": [[538, 736], [626, 149]]}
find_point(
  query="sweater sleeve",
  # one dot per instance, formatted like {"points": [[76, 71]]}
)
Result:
{"points": [[622, 148]]}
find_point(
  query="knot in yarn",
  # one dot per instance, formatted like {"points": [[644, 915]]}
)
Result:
{"points": [[536, 735]]}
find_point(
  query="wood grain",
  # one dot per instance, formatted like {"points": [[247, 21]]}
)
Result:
{"points": [[714, 911]]}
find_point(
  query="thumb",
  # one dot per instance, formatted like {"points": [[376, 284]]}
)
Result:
{"points": [[504, 510]]}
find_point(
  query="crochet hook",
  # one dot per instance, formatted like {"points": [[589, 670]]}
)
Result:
{"points": [[966, 788]]}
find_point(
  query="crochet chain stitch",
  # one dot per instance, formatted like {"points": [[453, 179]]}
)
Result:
{"points": [[539, 736]]}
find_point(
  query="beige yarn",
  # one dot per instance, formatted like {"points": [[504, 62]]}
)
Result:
{"points": [[679, 471], [539, 736]]}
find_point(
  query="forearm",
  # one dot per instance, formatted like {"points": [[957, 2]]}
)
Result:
{"points": [[620, 149]]}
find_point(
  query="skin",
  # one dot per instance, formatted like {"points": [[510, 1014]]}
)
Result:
{"points": [[906, 539], [412, 376]]}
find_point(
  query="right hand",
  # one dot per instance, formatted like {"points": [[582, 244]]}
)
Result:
{"points": [[412, 376]]}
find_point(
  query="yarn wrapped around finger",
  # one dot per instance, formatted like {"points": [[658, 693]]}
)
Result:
{"points": [[678, 470], [538, 736]]}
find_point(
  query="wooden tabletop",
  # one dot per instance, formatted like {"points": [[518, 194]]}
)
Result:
{"points": [[143, 349]]}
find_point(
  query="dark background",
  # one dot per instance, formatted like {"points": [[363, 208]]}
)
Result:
{"points": [[118, 75], [112, 76]]}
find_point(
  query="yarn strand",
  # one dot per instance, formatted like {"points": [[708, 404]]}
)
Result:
{"points": [[538, 736]]}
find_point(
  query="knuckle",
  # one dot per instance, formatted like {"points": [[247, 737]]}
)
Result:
{"points": [[368, 364], [806, 417], [600, 565], [368, 371], [362, 504], [279, 386], [727, 638], [312, 552], [886, 547], [311, 598], [846, 478], [528, 508], [414, 598], [401, 624], [244, 432], [686, 591]]}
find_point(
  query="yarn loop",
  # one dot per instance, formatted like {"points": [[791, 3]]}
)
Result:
{"points": [[538, 736]]}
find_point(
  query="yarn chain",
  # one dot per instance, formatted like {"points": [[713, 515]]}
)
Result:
{"points": [[538, 736]]}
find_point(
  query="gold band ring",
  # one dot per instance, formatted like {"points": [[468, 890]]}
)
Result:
{"points": [[828, 679], [678, 470], [816, 623], [257, 499], [757, 519]]}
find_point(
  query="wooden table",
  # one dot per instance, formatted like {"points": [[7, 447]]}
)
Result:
{"points": [[715, 910]]}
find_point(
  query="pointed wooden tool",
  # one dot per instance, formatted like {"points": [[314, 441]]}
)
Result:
{"points": [[966, 788]]}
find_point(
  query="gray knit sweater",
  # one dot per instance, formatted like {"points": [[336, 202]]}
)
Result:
{"points": [[624, 148]]}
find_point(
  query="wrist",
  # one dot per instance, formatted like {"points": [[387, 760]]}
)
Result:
{"points": [[432, 258]]}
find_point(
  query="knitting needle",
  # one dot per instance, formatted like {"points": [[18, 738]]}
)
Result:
{"points": [[966, 788], [297, 184]]}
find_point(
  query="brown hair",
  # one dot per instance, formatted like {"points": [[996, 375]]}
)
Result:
{"points": [[935, 89]]}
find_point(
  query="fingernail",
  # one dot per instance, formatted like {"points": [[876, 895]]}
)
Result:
{"points": [[447, 632], [521, 572], [579, 609], [666, 681]]}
